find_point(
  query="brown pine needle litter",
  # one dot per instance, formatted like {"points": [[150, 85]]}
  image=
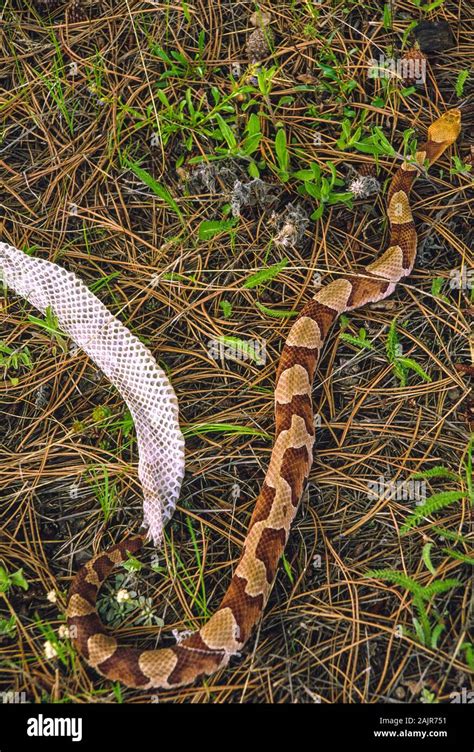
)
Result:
{"points": [[199, 183]]}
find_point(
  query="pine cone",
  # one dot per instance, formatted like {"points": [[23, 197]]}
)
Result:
{"points": [[258, 45]]}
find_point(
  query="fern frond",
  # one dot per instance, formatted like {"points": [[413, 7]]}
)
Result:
{"points": [[414, 366], [438, 586], [392, 347], [435, 472], [433, 504], [398, 578]]}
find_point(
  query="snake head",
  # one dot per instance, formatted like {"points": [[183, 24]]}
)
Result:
{"points": [[446, 129]]}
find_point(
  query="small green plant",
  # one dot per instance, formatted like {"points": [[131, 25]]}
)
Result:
{"points": [[428, 697], [322, 188], [50, 325], [401, 364], [360, 340], [158, 189], [179, 65], [468, 648], [16, 579], [429, 6], [13, 359], [54, 646], [376, 143], [8, 627], [265, 275], [425, 632], [57, 87], [105, 491], [443, 499], [434, 504], [132, 564], [460, 81], [436, 287], [459, 168]]}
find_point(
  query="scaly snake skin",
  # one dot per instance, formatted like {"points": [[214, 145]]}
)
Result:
{"points": [[227, 631], [126, 362]]}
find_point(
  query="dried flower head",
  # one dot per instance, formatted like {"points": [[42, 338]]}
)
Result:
{"points": [[364, 186]]}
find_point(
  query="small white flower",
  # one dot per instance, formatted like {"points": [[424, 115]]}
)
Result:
{"points": [[123, 595], [63, 632], [50, 650], [52, 596]]}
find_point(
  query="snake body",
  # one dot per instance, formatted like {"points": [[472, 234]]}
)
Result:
{"points": [[227, 631]]}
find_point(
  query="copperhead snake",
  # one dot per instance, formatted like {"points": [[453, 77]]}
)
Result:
{"points": [[227, 631]]}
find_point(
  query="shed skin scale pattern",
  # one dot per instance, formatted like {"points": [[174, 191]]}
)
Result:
{"points": [[227, 631]]}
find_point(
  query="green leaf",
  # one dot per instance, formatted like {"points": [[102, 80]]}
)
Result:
{"points": [[287, 568], [435, 635], [430, 6], [132, 564], [226, 308], [18, 579], [460, 81], [437, 286], [226, 131], [273, 313], [469, 648], [208, 229], [265, 275], [282, 150], [426, 556], [253, 170], [4, 580], [158, 189], [460, 557], [357, 341], [253, 137], [398, 578], [387, 17]]}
